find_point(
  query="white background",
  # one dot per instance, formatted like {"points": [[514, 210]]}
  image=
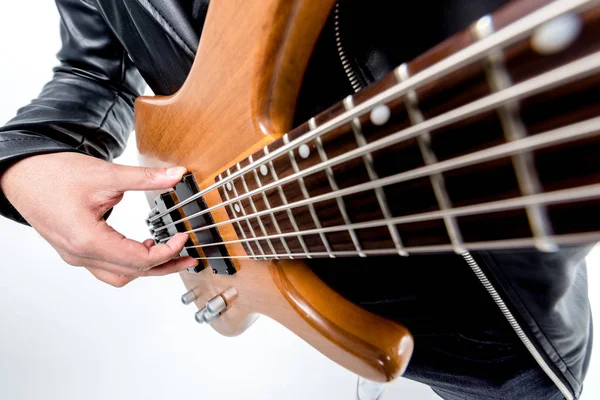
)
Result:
{"points": [[64, 335]]}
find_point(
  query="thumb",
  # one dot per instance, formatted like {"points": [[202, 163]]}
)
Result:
{"points": [[142, 178]]}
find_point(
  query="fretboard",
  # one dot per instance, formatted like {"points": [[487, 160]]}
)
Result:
{"points": [[497, 153]]}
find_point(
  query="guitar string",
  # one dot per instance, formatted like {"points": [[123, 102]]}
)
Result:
{"points": [[556, 197], [575, 70], [473, 53], [580, 130], [567, 239]]}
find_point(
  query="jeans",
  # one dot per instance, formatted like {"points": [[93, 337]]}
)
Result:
{"points": [[459, 368], [464, 347]]}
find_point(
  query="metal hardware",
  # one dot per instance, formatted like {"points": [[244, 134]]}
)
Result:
{"points": [[216, 305], [198, 316], [169, 224], [515, 325], [498, 78], [458, 60], [209, 317], [369, 390], [188, 297], [354, 77], [213, 310]]}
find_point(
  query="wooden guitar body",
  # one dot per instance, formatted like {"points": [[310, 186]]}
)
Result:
{"points": [[239, 97], [454, 151]]}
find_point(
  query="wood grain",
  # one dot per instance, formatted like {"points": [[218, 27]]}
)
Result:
{"points": [[239, 97], [239, 100], [477, 184]]}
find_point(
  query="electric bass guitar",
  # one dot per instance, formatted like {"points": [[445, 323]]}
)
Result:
{"points": [[490, 140]]}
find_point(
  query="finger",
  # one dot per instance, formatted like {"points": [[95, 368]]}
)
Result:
{"points": [[112, 279], [173, 266], [148, 243], [170, 267], [111, 246], [142, 178]]}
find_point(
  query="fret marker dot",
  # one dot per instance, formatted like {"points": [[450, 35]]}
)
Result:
{"points": [[264, 170], [229, 187], [237, 208], [556, 35], [304, 151], [380, 115]]}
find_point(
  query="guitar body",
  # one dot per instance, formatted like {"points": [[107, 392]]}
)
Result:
{"points": [[387, 171], [239, 97]]}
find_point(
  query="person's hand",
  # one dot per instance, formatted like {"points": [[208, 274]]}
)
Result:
{"points": [[64, 196]]}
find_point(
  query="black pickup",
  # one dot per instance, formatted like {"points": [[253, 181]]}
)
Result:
{"points": [[218, 254]]}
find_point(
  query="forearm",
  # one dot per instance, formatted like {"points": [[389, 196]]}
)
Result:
{"points": [[88, 105]]}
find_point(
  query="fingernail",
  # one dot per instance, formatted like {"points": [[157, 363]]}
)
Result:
{"points": [[182, 235], [192, 263], [176, 171]]}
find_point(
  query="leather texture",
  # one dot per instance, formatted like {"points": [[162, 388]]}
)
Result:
{"points": [[110, 47]]}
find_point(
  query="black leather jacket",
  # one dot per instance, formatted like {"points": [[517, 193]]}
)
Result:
{"points": [[110, 47]]}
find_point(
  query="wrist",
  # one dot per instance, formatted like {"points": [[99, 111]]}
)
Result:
{"points": [[17, 172]]}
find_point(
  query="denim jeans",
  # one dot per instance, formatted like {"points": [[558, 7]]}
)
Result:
{"points": [[460, 368], [464, 347]]}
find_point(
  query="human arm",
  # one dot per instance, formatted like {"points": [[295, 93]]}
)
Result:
{"points": [[86, 110]]}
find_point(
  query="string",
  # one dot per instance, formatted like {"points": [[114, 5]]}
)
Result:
{"points": [[464, 57], [556, 136], [559, 196], [567, 239], [561, 75]]}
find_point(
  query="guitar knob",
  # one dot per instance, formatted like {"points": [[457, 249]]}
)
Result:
{"points": [[204, 316], [188, 297], [199, 316], [216, 305], [209, 317]]}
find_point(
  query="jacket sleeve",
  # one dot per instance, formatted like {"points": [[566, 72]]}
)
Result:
{"points": [[88, 105]]}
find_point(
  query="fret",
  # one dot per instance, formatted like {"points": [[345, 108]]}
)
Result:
{"points": [[429, 158], [255, 210], [379, 192], [513, 127], [459, 123], [519, 243], [455, 56], [304, 152], [226, 188], [285, 203], [312, 123], [564, 196], [264, 171], [243, 212]]}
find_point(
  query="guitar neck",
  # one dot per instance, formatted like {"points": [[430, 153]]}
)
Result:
{"points": [[489, 140]]}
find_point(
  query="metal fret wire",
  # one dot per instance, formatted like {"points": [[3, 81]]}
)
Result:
{"points": [[580, 130], [253, 206], [437, 180], [233, 213], [285, 202], [568, 239], [311, 207], [247, 220], [575, 70], [312, 123], [475, 52], [268, 205], [560, 196], [379, 193], [498, 78]]}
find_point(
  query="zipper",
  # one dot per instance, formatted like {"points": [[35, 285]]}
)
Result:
{"points": [[515, 325], [349, 68], [357, 84]]}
